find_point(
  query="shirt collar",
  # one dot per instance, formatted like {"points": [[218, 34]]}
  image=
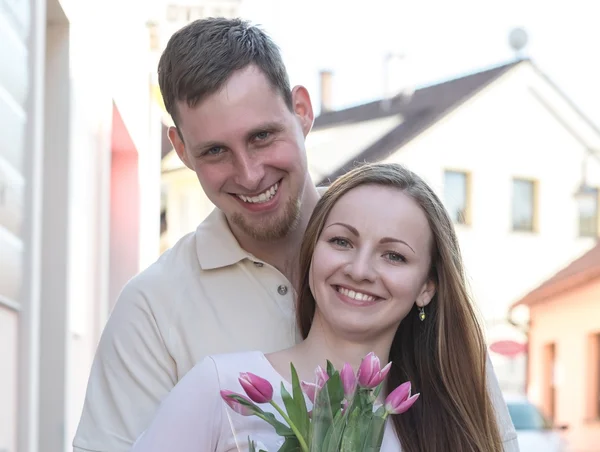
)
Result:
{"points": [[216, 246]]}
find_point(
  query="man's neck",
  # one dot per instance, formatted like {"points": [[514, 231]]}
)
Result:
{"points": [[283, 253]]}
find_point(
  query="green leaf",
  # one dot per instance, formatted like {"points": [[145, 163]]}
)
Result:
{"points": [[280, 428], [291, 444], [251, 445], [300, 411], [330, 369]]}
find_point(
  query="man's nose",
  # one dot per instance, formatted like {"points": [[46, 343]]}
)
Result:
{"points": [[249, 171]]}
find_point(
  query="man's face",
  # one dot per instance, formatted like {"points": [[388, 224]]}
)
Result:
{"points": [[247, 149]]}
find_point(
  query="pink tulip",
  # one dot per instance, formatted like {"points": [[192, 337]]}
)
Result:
{"points": [[236, 405], [258, 389], [310, 389], [400, 400], [322, 377], [370, 374], [348, 381]]}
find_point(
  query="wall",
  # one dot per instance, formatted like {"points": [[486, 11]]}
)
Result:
{"points": [[568, 319], [14, 84]]}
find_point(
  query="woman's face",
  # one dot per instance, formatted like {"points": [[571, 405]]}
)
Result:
{"points": [[371, 263]]}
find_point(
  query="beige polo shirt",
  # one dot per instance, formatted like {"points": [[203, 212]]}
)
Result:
{"points": [[204, 296]]}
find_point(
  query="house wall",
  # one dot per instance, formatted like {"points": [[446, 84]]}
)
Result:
{"points": [[14, 32], [502, 133], [57, 86], [568, 320]]}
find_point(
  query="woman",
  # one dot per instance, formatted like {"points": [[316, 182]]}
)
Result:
{"points": [[380, 271]]}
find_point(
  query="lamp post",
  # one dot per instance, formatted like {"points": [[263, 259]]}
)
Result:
{"points": [[586, 196]]}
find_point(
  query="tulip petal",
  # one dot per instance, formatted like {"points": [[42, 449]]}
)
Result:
{"points": [[405, 406], [310, 389], [348, 381], [397, 396], [258, 389], [235, 405]]}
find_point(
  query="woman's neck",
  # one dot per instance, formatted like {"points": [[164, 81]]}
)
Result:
{"points": [[322, 345]]}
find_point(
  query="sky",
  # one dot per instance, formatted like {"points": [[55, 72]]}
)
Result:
{"points": [[439, 40]]}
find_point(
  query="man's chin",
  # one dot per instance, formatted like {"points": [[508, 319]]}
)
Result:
{"points": [[277, 227]]}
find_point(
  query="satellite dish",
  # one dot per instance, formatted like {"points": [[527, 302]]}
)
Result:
{"points": [[518, 39]]}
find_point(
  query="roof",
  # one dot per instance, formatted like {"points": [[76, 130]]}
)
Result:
{"points": [[579, 272], [426, 106]]}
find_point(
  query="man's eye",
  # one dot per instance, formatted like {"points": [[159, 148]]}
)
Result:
{"points": [[262, 135], [214, 151]]}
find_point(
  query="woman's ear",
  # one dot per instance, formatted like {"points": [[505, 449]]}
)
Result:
{"points": [[427, 293]]}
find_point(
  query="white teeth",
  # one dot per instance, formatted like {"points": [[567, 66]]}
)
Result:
{"points": [[355, 295], [263, 197]]}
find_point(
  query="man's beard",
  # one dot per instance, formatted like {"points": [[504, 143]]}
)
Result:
{"points": [[272, 228]]}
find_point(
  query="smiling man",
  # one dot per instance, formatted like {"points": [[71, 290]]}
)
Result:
{"points": [[228, 286]]}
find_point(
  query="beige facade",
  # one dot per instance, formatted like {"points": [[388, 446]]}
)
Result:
{"points": [[75, 109], [564, 350]]}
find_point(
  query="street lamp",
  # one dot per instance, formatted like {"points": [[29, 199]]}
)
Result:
{"points": [[586, 195]]}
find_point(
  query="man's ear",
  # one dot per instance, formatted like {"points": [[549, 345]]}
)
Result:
{"points": [[178, 145], [303, 108]]}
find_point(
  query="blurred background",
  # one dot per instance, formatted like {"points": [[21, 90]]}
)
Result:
{"points": [[496, 104]]}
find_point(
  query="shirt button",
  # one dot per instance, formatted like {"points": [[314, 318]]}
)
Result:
{"points": [[258, 264], [282, 290]]}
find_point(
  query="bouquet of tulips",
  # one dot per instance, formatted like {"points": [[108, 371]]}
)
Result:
{"points": [[345, 416]]}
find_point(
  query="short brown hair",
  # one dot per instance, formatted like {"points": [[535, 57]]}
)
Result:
{"points": [[200, 58]]}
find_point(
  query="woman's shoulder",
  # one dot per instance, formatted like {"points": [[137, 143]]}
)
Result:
{"points": [[228, 366]]}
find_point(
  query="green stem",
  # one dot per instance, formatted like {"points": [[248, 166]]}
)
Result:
{"points": [[301, 439]]}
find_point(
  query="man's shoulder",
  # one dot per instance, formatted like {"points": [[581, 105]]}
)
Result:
{"points": [[171, 270]]}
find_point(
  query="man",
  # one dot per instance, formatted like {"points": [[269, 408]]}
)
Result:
{"points": [[229, 285]]}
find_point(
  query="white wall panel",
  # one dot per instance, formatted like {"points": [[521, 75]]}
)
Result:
{"points": [[11, 198], [13, 120], [17, 13], [13, 54], [11, 254], [8, 378]]}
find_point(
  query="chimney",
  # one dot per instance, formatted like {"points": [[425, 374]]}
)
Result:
{"points": [[326, 80]]}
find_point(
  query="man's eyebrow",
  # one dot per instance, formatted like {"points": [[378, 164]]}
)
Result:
{"points": [[274, 126]]}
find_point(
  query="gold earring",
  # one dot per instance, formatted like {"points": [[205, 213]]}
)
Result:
{"points": [[421, 313]]}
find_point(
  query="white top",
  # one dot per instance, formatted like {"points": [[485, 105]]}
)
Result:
{"points": [[194, 417], [196, 300]]}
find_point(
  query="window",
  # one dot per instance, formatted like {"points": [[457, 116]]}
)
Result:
{"points": [[524, 202], [588, 215], [593, 388], [457, 196]]}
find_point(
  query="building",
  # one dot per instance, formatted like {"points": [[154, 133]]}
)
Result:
{"points": [[507, 151], [564, 349], [79, 209]]}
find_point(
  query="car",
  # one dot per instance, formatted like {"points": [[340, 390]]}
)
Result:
{"points": [[534, 431]]}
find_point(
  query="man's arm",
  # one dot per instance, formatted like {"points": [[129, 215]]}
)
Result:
{"points": [[131, 373]]}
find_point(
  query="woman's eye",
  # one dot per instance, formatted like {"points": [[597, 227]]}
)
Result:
{"points": [[395, 257], [340, 242]]}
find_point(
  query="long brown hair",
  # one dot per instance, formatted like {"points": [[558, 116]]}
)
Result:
{"points": [[443, 356]]}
